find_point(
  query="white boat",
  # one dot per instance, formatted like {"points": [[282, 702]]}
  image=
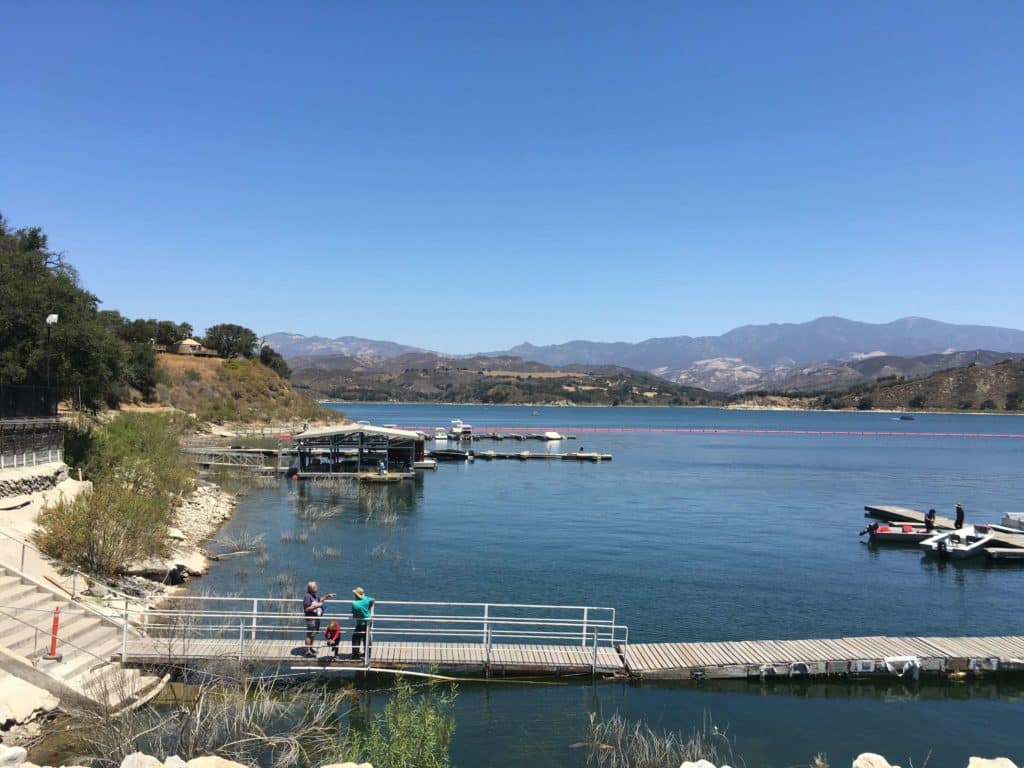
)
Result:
{"points": [[1014, 520], [458, 430], [959, 544], [425, 464], [440, 434], [553, 436]]}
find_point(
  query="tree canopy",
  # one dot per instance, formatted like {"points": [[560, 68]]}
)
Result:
{"points": [[231, 340], [271, 358]]}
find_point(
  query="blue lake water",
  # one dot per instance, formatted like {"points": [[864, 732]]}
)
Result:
{"points": [[742, 533]]}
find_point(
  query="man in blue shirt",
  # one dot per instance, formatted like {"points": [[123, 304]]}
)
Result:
{"points": [[362, 612], [313, 608]]}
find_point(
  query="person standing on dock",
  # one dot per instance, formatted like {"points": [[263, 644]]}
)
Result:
{"points": [[313, 609], [362, 612], [959, 523], [929, 520]]}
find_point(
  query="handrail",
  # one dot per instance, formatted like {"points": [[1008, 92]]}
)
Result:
{"points": [[74, 571], [6, 611]]}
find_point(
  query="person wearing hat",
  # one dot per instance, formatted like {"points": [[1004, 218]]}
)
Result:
{"points": [[362, 612], [959, 522]]}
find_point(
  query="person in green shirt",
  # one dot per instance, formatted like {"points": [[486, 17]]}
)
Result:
{"points": [[362, 612]]}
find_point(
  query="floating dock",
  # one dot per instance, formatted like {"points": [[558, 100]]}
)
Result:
{"points": [[1002, 540], [531, 456], [883, 656]]}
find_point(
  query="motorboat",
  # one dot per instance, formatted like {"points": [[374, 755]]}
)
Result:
{"points": [[425, 464], [1014, 520], [459, 430], [897, 533], [553, 436], [959, 544], [440, 434], [450, 454]]}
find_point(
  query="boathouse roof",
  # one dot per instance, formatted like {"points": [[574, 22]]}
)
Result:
{"points": [[352, 429]]}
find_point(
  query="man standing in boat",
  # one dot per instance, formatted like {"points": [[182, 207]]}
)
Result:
{"points": [[959, 523]]}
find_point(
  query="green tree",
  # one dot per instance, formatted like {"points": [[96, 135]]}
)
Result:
{"points": [[917, 401], [86, 358], [271, 358], [865, 404], [231, 340]]}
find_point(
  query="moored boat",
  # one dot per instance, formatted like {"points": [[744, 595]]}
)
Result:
{"points": [[897, 533], [959, 544]]}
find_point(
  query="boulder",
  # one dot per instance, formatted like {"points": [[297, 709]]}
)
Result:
{"points": [[175, 533], [870, 760], [990, 762], [12, 755], [20, 701], [174, 762], [697, 764], [212, 761], [140, 760]]}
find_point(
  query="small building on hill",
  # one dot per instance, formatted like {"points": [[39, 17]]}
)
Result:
{"points": [[191, 347]]}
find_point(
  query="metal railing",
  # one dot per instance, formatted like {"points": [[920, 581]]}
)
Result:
{"points": [[490, 624], [46, 630], [30, 458]]}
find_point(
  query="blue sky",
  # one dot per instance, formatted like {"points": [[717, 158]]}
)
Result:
{"points": [[467, 176]]}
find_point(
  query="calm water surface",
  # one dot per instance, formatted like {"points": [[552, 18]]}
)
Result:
{"points": [[691, 536]]}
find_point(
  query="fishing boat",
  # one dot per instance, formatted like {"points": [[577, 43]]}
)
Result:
{"points": [[897, 533], [440, 434], [959, 544], [450, 454], [458, 430]]}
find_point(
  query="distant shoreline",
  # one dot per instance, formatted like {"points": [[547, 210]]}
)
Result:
{"points": [[687, 407]]}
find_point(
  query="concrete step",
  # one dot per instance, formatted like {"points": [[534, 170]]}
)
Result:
{"points": [[22, 640], [77, 664], [12, 591], [110, 685], [81, 638]]}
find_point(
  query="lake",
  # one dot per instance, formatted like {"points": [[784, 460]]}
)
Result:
{"points": [[708, 525]]}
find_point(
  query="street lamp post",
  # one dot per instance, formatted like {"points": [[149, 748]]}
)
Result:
{"points": [[51, 320]]}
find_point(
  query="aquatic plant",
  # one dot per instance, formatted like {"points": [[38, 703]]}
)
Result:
{"points": [[618, 743], [326, 553]]}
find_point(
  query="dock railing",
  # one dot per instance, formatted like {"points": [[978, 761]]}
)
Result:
{"points": [[184, 619]]}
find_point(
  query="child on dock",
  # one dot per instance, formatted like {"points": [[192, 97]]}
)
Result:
{"points": [[333, 636]]}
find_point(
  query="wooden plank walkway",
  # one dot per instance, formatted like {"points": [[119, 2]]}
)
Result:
{"points": [[651, 661], [504, 658], [827, 656]]}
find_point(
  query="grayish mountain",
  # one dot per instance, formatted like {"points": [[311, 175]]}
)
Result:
{"points": [[733, 375], [781, 345], [292, 345]]}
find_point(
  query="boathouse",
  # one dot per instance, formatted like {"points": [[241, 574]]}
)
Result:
{"points": [[355, 450]]}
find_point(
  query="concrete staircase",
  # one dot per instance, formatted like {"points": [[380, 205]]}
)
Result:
{"points": [[89, 672]]}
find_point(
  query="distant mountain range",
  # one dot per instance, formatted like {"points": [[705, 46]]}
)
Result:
{"points": [[830, 352], [293, 345]]}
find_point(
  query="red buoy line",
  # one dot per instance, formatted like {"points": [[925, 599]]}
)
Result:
{"points": [[734, 431]]}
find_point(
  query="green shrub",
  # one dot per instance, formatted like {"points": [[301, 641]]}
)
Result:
{"points": [[988, 405], [865, 404], [139, 474], [917, 401], [413, 732], [103, 529]]}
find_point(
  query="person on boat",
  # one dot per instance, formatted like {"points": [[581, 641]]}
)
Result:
{"points": [[929, 520], [313, 609], [959, 522], [362, 612], [332, 635]]}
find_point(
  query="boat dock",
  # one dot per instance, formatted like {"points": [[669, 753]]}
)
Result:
{"points": [[520, 639], [1006, 544], [532, 456]]}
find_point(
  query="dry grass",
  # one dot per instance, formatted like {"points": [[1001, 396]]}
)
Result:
{"points": [[617, 743]]}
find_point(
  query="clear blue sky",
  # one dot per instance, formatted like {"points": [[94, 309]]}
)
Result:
{"points": [[466, 176]]}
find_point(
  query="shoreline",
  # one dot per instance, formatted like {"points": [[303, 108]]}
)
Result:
{"points": [[795, 408]]}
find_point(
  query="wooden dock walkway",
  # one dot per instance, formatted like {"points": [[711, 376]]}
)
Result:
{"points": [[843, 657], [1008, 541]]}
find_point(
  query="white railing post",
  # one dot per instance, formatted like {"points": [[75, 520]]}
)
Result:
{"points": [[241, 640], [255, 611], [487, 651], [594, 663], [583, 633], [487, 623], [124, 635]]}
